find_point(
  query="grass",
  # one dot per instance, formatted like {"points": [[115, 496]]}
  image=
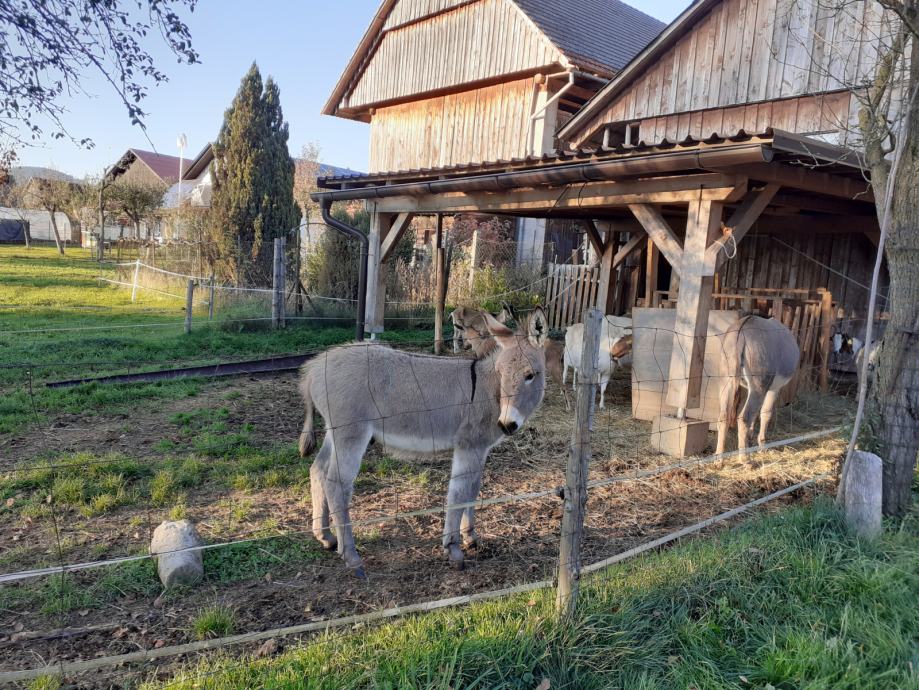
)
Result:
{"points": [[214, 621], [790, 600], [41, 290]]}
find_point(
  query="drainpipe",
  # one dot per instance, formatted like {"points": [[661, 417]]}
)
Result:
{"points": [[354, 234]]}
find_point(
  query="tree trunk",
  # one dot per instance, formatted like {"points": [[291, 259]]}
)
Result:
{"points": [[57, 235], [893, 406], [27, 234]]}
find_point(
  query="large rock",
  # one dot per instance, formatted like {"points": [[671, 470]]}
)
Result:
{"points": [[175, 565], [863, 494]]}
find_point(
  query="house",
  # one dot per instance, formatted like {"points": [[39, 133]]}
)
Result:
{"points": [[146, 167], [723, 152], [482, 80]]}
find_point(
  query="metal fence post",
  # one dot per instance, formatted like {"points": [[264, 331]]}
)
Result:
{"points": [[189, 304], [575, 498], [277, 294], [136, 278], [210, 302]]}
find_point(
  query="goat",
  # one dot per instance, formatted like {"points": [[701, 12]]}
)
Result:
{"points": [[615, 344]]}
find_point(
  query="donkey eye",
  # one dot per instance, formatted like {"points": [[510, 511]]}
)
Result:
{"points": [[529, 377]]}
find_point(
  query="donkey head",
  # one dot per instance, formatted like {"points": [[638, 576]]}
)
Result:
{"points": [[520, 364]]}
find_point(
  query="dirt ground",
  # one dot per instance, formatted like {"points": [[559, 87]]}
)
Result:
{"points": [[403, 557]]}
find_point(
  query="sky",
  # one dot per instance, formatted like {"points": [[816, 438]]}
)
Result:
{"points": [[303, 44]]}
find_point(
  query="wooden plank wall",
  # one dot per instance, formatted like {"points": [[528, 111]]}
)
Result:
{"points": [[407, 11], [474, 42], [763, 262], [473, 126], [749, 51]]}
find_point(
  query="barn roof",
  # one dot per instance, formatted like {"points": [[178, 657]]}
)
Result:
{"points": [[598, 36]]}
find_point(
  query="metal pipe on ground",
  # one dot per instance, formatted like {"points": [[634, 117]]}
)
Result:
{"points": [[354, 233]]}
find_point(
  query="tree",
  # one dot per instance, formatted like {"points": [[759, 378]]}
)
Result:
{"points": [[46, 47], [137, 200], [253, 198], [49, 195], [889, 124], [306, 171]]}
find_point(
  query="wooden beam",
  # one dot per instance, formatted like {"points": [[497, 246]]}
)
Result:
{"points": [[440, 289], [593, 234], [805, 201], [809, 180], [638, 238], [742, 220], [399, 226], [376, 277], [652, 258], [659, 230], [680, 189], [703, 226]]}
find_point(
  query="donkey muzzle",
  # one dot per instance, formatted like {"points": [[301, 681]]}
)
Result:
{"points": [[509, 427]]}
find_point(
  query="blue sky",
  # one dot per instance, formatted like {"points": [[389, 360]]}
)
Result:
{"points": [[303, 44]]}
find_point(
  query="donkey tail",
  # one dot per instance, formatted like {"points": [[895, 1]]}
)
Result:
{"points": [[307, 434]]}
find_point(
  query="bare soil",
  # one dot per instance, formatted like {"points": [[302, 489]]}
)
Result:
{"points": [[403, 558]]}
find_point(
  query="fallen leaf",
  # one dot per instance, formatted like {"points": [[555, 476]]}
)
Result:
{"points": [[18, 627], [531, 602], [10, 502], [83, 613], [158, 602], [544, 685], [267, 648], [159, 643], [743, 679], [119, 633]]}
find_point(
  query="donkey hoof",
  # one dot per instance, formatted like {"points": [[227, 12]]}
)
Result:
{"points": [[471, 542], [329, 544], [359, 573], [455, 554]]}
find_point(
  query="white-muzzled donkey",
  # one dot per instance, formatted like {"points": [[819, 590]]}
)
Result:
{"points": [[421, 405]]}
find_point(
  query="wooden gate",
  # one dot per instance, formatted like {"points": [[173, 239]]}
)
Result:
{"points": [[570, 290]]}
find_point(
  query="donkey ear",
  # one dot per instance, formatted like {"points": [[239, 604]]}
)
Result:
{"points": [[503, 335], [538, 327]]}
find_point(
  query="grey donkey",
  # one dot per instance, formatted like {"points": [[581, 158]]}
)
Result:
{"points": [[422, 405], [762, 356], [470, 331]]}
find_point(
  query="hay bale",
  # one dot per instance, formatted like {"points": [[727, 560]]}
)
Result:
{"points": [[174, 563]]}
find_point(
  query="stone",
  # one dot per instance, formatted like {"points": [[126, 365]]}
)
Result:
{"points": [[680, 438], [863, 494], [174, 565]]}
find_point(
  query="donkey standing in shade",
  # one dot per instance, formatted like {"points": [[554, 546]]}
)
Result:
{"points": [[762, 356], [421, 405]]}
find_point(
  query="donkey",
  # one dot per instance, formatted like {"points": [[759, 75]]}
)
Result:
{"points": [[762, 356], [422, 405], [470, 331]]}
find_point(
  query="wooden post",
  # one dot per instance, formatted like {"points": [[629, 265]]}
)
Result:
{"points": [[277, 294], [474, 256], [703, 227], [653, 259], [826, 323], [189, 304], [380, 224], [440, 289], [211, 296], [606, 280], [136, 277], [569, 553]]}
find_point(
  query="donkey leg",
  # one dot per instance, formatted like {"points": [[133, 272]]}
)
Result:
{"points": [[465, 478], [765, 416], [747, 417], [320, 505], [338, 484], [726, 412], [457, 341], [467, 526]]}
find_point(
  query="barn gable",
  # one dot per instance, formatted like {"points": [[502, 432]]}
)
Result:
{"points": [[423, 48], [724, 65]]}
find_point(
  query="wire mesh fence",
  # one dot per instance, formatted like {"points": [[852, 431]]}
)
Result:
{"points": [[82, 495]]}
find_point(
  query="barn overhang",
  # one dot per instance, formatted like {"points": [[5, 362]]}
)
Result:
{"points": [[688, 200]]}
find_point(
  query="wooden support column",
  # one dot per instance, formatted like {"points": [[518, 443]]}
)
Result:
{"points": [[653, 259], [703, 227], [440, 289], [606, 280], [380, 224]]}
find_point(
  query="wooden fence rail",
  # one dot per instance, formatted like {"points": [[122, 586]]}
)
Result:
{"points": [[570, 290]]}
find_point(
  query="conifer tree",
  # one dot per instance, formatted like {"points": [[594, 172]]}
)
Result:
{"points": [[253, 174]]}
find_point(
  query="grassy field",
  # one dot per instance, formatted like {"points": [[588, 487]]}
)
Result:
{"points": [[59, 321], [784, 601]]}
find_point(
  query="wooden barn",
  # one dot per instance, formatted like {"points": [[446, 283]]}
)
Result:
{"points": [[717, 170]]}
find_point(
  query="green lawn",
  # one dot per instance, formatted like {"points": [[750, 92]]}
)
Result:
{"points": [[785, 601], [58, 321]]}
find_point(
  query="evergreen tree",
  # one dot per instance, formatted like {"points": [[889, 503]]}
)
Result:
{"points": [[253, 173]]}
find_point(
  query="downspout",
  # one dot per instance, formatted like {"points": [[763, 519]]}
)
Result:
{"points": [[355, 234]]}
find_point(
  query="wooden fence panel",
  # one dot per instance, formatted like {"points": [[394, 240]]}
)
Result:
{"points": [[570, 291]]}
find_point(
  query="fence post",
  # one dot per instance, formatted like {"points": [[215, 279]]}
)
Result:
{"points": [[189, 304], [440, 286], [826, 332], [136, 277], [575, 498], [277, 295], [210, 301], [474, 256]]}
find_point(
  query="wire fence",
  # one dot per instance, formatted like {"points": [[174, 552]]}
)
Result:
{"points": [[78, 580]]}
